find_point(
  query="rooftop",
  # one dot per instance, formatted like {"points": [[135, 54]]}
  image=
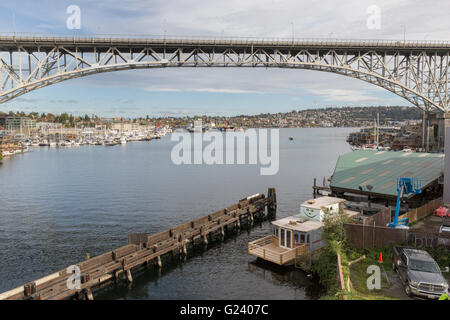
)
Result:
{"points": [[376, 172], [321, 202], [417, 254], [294, 223], [297, 223]]}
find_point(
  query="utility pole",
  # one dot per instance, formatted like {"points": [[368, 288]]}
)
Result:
{"points": [[404, 33], [374, 130], [292, 23], [14, 23]]}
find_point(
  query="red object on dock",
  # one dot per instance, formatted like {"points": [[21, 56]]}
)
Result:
{"points": [[380, 258], [440, 212]]}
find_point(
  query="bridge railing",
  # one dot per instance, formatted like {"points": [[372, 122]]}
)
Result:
{"points": [[182, 39]]}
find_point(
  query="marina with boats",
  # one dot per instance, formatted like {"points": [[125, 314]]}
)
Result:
{"points": [[18, 143]]}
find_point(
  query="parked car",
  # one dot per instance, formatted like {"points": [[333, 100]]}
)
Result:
{"points": [[419, 273], [445, 227]]}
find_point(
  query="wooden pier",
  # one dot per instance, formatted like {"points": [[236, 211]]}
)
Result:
{"points": [[145, 250], [268, 249], [320, 190]]}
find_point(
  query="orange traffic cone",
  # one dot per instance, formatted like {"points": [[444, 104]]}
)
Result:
{"points": [[380, 258]]}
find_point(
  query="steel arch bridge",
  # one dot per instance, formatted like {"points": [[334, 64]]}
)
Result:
{"points": [[416, 71]]}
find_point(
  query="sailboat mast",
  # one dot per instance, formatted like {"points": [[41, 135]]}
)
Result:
{"points": [[378, 127]]}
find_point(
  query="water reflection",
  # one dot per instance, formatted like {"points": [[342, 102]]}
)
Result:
{"points": [[289, 276]]}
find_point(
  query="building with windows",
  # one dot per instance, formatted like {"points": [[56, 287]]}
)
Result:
{"points": [[298, 236], [9, 122], [374, 173]]}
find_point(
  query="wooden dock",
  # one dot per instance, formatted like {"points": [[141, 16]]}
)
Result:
{"points": [[268, 249], [320, 190], [145, 250]]}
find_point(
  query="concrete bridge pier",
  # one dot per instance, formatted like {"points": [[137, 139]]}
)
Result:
{"points": [[425, 131], [446, 196], [434, 132]]}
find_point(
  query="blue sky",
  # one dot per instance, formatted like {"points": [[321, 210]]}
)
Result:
{"points": [[216, 90]]}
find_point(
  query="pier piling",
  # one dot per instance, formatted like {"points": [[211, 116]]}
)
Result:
{"points": [[143, 248]]}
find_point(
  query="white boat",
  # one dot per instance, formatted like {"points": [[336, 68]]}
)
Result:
{"points": [[110, 143], [369, 147], [52, 144], [123, 140], [7, 153]]}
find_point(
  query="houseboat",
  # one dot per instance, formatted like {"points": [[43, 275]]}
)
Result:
{"points": [[299, 235]]}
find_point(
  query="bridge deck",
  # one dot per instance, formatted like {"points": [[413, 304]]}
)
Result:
{"points": [[11, 42]]}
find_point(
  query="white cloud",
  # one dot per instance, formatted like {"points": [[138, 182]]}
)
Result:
{"points": [[421, 19], [344, 95], [209, 90]]}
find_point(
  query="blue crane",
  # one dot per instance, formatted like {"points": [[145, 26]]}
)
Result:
{"points": [[405, 185]]}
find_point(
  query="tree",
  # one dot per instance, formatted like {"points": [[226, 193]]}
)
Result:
{"points": [[63, 118], [51, 117], [34, 115], [334, 236]]}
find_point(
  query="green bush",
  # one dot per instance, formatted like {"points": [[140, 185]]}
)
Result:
{"points": [[441, 254], [326, 265], [326, 268]]}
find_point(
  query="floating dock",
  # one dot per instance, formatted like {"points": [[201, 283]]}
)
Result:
{"points": [[143, 250]]}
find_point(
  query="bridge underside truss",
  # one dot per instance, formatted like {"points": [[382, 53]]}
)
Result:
{"points": [[419, 76]]}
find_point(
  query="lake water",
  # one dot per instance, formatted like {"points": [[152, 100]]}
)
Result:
{"points": [[57, 204]]}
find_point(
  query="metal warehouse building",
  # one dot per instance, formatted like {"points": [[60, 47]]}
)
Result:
{"points": [[374, 173]]}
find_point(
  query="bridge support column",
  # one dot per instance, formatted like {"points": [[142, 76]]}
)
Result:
{"points": [[446, 197], [424, 129], [427, 132]]}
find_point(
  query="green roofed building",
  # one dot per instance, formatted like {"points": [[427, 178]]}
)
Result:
{"points": [[375, 173]]}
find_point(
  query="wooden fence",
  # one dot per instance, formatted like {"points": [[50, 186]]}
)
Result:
{"points": [[375, 234], [372, 236], [422, 211], [381, 218]]}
